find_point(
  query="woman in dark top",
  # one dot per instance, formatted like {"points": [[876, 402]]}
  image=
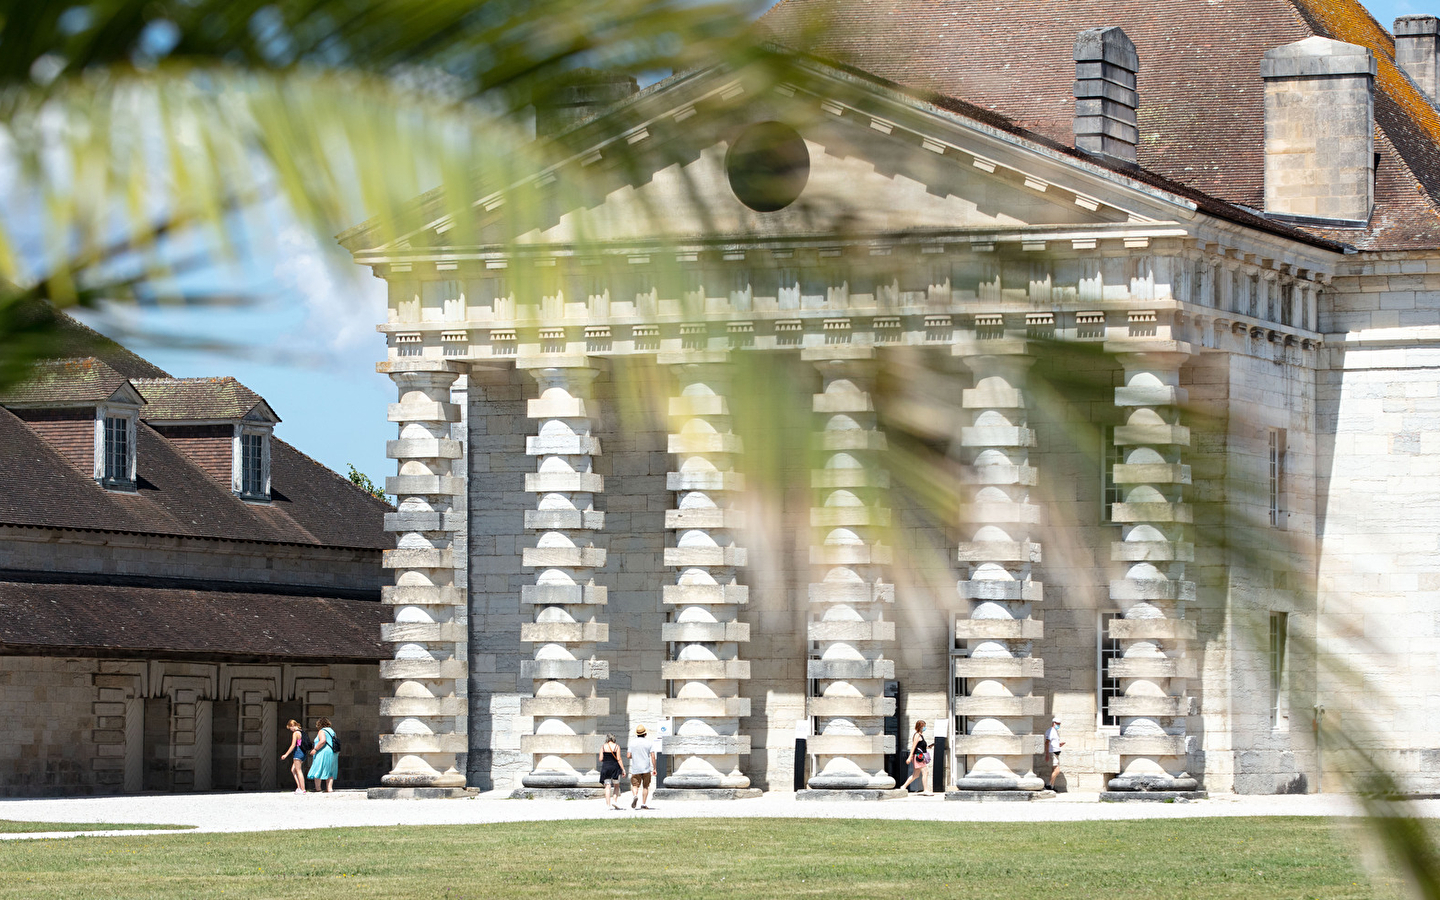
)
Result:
{"points": [[919, 758], [612, 770]]}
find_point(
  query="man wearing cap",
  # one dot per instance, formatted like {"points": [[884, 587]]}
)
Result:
{"points": [[1052, 751], [642, 767]]}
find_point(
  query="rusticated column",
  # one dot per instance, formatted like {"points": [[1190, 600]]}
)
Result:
{"points": [[706, 598], [1151, 630], [847, 619], [565, 597], [424, 705], [999, 627]]}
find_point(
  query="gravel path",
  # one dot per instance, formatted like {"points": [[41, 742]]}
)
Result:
{"points": [[272, 811]]}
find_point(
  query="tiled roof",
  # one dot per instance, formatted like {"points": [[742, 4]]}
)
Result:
{"points": [[310, 504], [122, 620], [171, 399], [1201, 96], [64, 382]]}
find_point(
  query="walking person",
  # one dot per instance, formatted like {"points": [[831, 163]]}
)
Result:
{"points": [[296, 754], [1052, 752], [325, 762], [612, 770], [642, 767], [919, 759]]}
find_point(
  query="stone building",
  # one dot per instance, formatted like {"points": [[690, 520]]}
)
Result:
{"points": [[1070, 360], [175, 584]]}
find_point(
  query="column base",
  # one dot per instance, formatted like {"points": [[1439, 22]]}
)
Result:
{"points": [[1142, 783], [420, 793], [1152, 796], [822, 795], [567, 793], [999, 796], [707, 793]]}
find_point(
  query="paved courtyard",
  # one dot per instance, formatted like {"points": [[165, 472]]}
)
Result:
{"points": [[270, 811]]}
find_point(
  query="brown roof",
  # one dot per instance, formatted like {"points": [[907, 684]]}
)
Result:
{"points": [[170, 399], [1201, 96], [310, 504], [125, 620], [65, 382]]}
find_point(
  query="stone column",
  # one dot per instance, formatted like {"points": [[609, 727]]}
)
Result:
{"points": [[1152, 631], [706, 597], [565, 597], [999, 627], [848, 602], [425, 705]]}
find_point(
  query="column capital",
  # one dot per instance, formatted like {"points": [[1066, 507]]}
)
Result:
{"points": [[693, 358], [837, 353], [1009, 347], [558, 361], [407, 366]]}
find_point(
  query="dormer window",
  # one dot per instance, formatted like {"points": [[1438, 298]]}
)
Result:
{"points": [[115, 448], [252, 462]]}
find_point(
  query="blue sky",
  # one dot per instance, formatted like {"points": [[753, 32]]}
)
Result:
{"points": [[310, 346]]}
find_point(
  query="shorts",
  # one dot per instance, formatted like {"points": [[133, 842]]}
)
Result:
{"points": [[610, 782], [1055, 753], [640, 780]]}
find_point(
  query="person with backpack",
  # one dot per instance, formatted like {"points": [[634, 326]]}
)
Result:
{"points": [[324, 763], [296, 754]]}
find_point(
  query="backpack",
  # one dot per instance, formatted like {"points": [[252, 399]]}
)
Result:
{"points": [[333, 740], [307, 746]]}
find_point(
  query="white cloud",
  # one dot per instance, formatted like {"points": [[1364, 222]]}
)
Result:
{"points": [[343, 303]]}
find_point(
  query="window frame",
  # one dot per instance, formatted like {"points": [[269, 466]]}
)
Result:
{"points": [[1106, 649], [1275, 477], [238, 484], [1277, 653], [104, 416]]}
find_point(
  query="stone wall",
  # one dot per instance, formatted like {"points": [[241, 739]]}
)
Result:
{"points": [[1379, 516], [92, 726]]}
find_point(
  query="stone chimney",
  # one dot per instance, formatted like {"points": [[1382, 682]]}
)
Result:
{"points": [[1105, 96], [1319, 130], [1417, 51], [582, 95]]}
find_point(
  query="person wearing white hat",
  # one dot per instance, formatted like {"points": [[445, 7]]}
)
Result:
{"points": [[1052, 751]]}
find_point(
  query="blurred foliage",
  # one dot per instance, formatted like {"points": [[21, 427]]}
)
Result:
{"points": [[364, 483]]}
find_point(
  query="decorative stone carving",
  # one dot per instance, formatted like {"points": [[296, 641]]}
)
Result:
{"points": [[1152, 632], [706, 671], [565, 597], [847, 619], [999, 627], [426, 710]]}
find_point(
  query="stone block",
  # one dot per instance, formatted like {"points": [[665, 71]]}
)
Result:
{"points": [[849, 669], [561, 408], [1159, 513], [425, 448], [433, 558], [564, 669], [564, 632], [684, 519], [422, 706], [811, 795], [704, 442], [562, 744], [704, 707], [422, 632], [1129, 589], [574, 707], [850, 744], [707, 632], [565, 519], [850, 631], [1150, 474], [564, 483], [1153, 629], [849, 516], [1012, 667], [1027, 591], [852, 439], [1002, 513], [999, 629], [829, 479], [861, 707], [1000, 707], [1168, 667], [564, 594], [850, 592], [1172, 707], [705, 669], [704, 481], [705, 594], [997, 436], [681, 557], [424, 743], [1151, 395], [423, 595], [420, 793], [562, 445], [423, 411], [998, 551], [998, 744], [1151, 551], [404, 669], [851, 555], [708, 745], [1152, 435], [563, 557], [840, 402], [703, 405], [1153, 744]]}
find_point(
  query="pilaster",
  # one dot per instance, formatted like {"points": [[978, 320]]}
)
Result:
{"points": [[567, 602], [705, 601], [999, 627], [848, 601], [1153, 668], [425, 702]]}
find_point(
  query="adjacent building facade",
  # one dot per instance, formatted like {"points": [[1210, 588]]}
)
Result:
{"points": [[1090, 379], [175, 584]]}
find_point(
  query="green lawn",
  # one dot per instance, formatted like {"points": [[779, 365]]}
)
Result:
{"points": [[8, 826], [738, 858]]}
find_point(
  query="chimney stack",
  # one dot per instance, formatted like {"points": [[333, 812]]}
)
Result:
{"points": [[1319, 130], [1417, 51], [1105, 95]]}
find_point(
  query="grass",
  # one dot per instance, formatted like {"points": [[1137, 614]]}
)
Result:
{"points": [[9, 826], [733, 858]]}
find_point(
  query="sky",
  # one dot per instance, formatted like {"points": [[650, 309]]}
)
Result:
{"points": [[309, 346]]}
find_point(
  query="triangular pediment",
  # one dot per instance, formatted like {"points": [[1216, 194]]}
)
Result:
{"points": [[879, 162]]}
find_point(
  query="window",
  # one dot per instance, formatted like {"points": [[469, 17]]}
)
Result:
{"points": [[1275, 462], [118, 451], [1279, 628], [1110, 456], [252, 464], [1107, 649]]}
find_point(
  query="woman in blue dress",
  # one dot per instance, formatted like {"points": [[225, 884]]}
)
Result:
{"points": [[323, 763]]}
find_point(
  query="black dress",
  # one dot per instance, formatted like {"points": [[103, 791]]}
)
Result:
{"points": [[609, 767]]}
